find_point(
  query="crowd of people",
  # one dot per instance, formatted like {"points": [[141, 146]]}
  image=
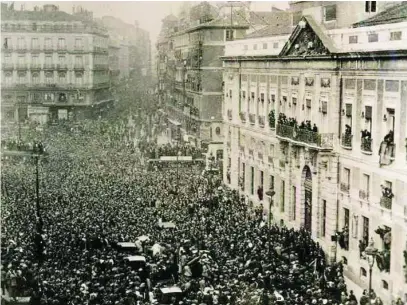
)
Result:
{"points": [[96, 193], [305, 125], [154, 151]]}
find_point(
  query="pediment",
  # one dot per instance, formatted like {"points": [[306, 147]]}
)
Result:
{"points": [[308, 39]]}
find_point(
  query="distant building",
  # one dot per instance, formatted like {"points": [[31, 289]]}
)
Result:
{"points": [[190, 71], [54, 65], [320, 117]]}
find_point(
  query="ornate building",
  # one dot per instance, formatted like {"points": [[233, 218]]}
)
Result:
{"points": [[319, 117], [54, 65]]}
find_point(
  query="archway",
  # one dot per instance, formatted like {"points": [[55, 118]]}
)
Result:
{"points": [[307, 198]]}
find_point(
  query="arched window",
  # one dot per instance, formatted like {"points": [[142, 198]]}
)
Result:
{"points": [[35, 78], [217, 130]]}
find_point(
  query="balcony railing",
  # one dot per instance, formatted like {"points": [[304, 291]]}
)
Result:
{"points": [[345, 187], [305, 136], [62, 66], [35, 66], [21, 66], [252, 118], [242, 117], [261, 120], [6, 65], [61, 48], [49, 66], [386, 202], [364, 195], [346, 140], [79, 67], [366, 145], [230, 114]]}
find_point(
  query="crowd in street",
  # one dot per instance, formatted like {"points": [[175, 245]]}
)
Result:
{"points": [[95, 193], [154, 151]]}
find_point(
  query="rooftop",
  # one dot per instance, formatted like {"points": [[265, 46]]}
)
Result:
{"points": [[38, 16], [394, 14]]}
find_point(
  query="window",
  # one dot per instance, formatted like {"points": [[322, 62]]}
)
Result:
{"points": [[282, 194], [48, 43], [395, 35], [365, 230], [21, 78], [369, 84], [373, 37], [346, 176], [392, 86], [229, 35], [217, 130], [9, 78], [348, 111], [35, 78], [363, 272], [350, 84], [275, 45], [7, 43], [252, 95], [78, 61], [330, 13], [7, 58], [252, 180], [385, 285], [262, 97], [79, 79], [344, 260], [61, 60], [273, 98], [62, 78], [368, 113], [366, 183], [61, 43], [34, 44], [255, 47], [323, 229], [261, 179], [21, 60], [294, 100], [244, 94], [78, 43], [243, 176], [49, 78], [294, 201], [271, 186], [264, 46], [370, 6], [21, 43], [346, 217], [353, 39]]}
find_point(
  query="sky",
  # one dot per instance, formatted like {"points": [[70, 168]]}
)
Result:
{"points": [[148, 13]]}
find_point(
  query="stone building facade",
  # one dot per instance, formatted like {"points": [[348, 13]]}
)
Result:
{"points": [[54, 65], [321, 120]]}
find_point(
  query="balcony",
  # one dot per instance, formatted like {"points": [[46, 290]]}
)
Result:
{"points": [[100, 67], [242, 117], [386, 202], [364, 195], [49, 66], [35, 49], [61, 48], [79, 67], [21, 67], [35, 66], [230, 114], [21, 49], [366, 145], [48, 48], [346, 141], [345, 187], [7, 66], [252, 118], [324, 141], [62, 67], [262, 120]]}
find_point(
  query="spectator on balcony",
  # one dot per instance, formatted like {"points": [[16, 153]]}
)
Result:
{"points": [[348, 130], [366, 134], [389, 138], [315, 128]]}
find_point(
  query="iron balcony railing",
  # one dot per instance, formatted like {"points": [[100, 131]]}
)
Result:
{"points": [[366, 145], [386, 202], [346, 140], [364, 195], [345, 187], [324, 140]]}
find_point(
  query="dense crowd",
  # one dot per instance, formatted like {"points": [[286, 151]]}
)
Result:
{"points": [[96, 193], [154, 151]]}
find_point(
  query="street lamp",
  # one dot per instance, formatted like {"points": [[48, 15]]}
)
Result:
{"points": [[270, 193], [371, 253]]}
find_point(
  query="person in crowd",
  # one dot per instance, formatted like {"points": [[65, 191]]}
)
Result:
{"points": [[95, 193]]}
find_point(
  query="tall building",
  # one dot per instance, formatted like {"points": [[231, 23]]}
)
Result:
{"points": [[319, 117], [135, 47], [190, 71], [54, 65]]}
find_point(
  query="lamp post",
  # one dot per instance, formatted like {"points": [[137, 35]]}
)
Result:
{"points": [[270, 193], [178, 155], [371, 253]]}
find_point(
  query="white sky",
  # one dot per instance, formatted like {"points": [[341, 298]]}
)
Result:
{"points": [[148, 13]]}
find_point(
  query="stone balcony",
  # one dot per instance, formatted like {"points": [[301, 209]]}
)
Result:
{"points": [[386, 202], [252, 118], [305, 137], [262, 120], [345, 187], [364, 195], [346, 141], [242, 117]]}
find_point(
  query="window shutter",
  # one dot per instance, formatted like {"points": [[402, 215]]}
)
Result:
{"points": [[368, 112], [348, 110]]}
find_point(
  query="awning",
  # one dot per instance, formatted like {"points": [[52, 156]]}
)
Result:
{"points": [[174, 122]]}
